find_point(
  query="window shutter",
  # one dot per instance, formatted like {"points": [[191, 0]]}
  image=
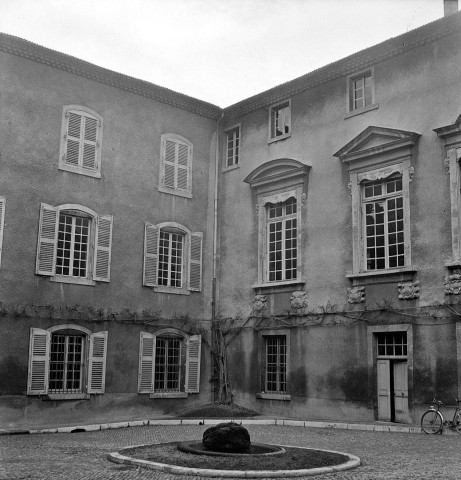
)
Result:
{"points": [[101, 271], [195, 262], [2, 223], [183, 166], [39, 362], [90, 138], [169, 164], [73, 134], [146, 363], [194, 347], [97, 362], [46, 245], [151, 234]]}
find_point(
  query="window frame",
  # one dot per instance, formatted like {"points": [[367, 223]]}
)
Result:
{"points": [[263, 335], [192, 264], [177, 140], [272, 137], [99, 245], [235, 164], [190, 363], [93, 362], [350, 98], [79, 168], [451, 138], [391, 152]]}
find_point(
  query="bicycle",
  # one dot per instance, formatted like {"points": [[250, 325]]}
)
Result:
{"points": [[433, 421]]}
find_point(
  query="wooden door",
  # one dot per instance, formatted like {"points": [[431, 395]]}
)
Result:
{"points": [[384, 390], [400, 371]]}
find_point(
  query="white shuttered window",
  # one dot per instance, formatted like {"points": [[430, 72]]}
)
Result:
{"points": [[81, 137], [74, 244], [169, 364], [172, 258], [176, 165], [67, 362]]}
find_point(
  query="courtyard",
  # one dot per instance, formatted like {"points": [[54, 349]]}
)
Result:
{"points": [[83, 455]]}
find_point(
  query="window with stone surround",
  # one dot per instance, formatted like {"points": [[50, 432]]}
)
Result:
{"points": [[451, 137], [274, 355], [169, 364], [66, 362], [380, 169], [361, 93], [81, 138], [279, 187]]}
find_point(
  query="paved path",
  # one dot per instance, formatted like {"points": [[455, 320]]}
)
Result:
{"points": [[82, 456]]}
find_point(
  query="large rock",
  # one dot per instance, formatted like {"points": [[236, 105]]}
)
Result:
{"points": [[227, 437]]}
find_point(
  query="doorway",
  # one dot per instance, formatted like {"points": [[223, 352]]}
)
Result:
{"points": [[392, 377]]}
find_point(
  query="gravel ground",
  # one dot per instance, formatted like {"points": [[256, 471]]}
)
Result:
{"points": [[83, 456]]}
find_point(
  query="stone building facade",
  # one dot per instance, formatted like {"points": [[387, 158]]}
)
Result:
{"points": [[297, 252]]}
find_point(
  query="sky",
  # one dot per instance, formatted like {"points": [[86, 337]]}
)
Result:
{"points": [[220, 51]]}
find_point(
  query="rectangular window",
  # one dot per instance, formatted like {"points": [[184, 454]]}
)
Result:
{"points": [[170, 263], [276, 364], [233, 147], [167, 377], [81, 141], [280, 121], [392, 344], [72, 246], [66, 364], [282, 237], [361, 91], [384, 224]]}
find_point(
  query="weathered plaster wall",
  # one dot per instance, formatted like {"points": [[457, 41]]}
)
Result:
{"points": [[417, 91], [33, 99]]}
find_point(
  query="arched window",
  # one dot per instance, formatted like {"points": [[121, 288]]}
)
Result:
{"points": [[172, 258], [169, 363], [74, 244], [66, 362]]}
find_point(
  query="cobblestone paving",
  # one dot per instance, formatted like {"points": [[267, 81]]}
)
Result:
{"points": [[82, 456]]}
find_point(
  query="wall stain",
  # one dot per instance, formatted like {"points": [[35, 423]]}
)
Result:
{"points": [[13, 376]]}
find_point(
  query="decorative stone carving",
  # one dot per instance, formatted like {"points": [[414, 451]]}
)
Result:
{"points": [[446, 164], [411, 172], [298, 299], [453, 284], [356, 294], [408, 290], [259, 303]]}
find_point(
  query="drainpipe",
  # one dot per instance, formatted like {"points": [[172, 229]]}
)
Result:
{"points": [[215, 226], [215, 362]]}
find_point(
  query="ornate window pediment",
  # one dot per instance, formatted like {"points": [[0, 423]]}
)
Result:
{"points": [[377, 142], [379, 162], [276, 171], [279, 186]]}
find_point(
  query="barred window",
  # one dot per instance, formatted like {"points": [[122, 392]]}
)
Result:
{"points": [[276, 364], [169, 364], [66, 364]]}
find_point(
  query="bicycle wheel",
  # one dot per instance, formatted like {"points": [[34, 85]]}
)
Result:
{"points": [[457, 423], [431, 422]]}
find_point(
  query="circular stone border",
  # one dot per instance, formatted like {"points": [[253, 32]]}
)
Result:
{"points": [[353, 462], [196, 447]]}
